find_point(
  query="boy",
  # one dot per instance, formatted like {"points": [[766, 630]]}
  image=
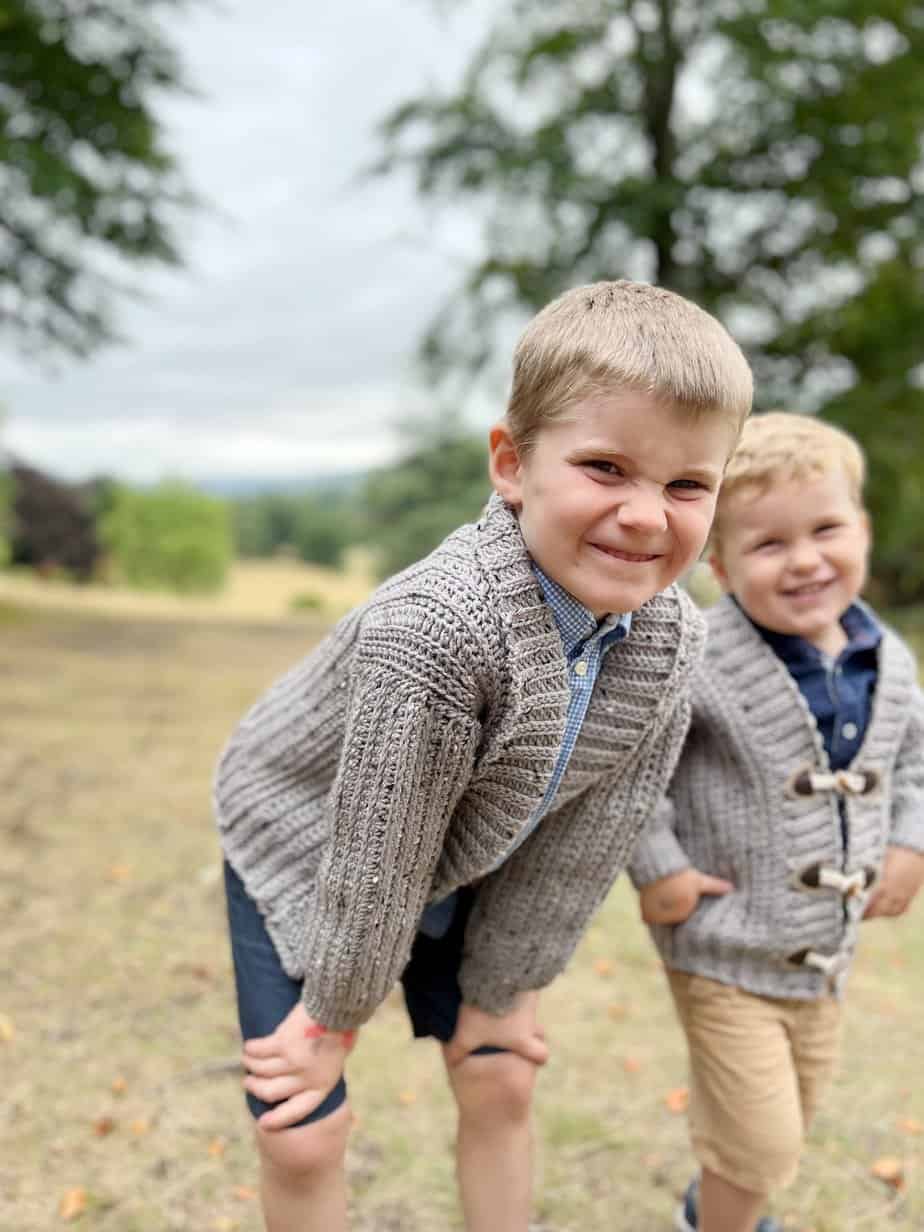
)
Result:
{"points": [[797, 808], [445, 789]]}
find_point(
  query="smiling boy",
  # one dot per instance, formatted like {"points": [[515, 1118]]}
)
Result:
{"points": [[445, 789], [796, 810]]}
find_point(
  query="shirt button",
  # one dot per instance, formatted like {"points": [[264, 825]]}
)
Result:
{"points": [[580, 668], [849, 731]]}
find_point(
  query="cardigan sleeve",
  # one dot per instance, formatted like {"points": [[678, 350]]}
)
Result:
{"points": [[411, 735], [658, 853], [908, 782], [530, 914]]}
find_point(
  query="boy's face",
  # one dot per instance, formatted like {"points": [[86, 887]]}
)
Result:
{"points": [[794, 555], [616, 499]]}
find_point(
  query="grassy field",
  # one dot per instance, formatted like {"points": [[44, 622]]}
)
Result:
{"points": [[119, 1109]]}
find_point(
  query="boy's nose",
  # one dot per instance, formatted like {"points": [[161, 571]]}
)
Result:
{"points": [[643, 510], [803, 556]]}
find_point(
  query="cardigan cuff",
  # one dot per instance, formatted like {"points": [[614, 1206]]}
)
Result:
{"points": [[657, 855]]}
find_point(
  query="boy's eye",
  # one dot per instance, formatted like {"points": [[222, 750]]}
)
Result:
{"points": [[826, 527], [766, 543], [606, 468], [687, 485]]}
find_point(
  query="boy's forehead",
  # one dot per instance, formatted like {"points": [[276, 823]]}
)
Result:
{"points": [[791, 491]]}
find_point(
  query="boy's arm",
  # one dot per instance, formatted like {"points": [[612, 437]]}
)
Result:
{"points": [[903, 868], [658, 852], [409, 747], [907, 828], [530, 914]]}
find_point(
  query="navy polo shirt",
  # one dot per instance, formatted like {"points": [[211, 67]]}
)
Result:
{"points": [[839, 691]]}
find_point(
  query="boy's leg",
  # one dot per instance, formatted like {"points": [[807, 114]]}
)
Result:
{"points": [[493, 1094], [492, 1088], [723, 1207], [302, 1168], [815, 1037], [745, 1107], [302, 1183]]}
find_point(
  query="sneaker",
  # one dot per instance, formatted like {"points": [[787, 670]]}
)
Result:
{"points": [[686, 1219]]}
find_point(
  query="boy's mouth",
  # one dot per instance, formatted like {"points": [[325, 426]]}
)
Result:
{"points": [[633, 558], [808, 589]]}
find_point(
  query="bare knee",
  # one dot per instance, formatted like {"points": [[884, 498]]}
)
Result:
{"points": [[494, 1089], [300, 1156]]}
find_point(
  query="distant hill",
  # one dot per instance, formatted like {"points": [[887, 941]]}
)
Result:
{"points": [[240, 487]]}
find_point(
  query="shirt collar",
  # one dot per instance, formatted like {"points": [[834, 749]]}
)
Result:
{"points": [[862, 628], [576, 623]]}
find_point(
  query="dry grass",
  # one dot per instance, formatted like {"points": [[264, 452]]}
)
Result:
{"points": [[256, 590], [115, 986]]}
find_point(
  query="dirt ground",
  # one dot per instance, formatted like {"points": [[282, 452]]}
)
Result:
{"points": [[120, 1109]]}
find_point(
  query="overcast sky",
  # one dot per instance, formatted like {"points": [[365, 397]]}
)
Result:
{"points": [[285, 347]]}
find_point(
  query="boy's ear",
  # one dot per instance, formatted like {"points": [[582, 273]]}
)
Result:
{"points": [[715, 564], [504, 465]]}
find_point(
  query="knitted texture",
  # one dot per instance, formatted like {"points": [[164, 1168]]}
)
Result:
{"points": [[402, 757], [728, 812]]}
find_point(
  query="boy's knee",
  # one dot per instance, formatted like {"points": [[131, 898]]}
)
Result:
{"points": [[495, 1088], [299, 1155], [759, 1163]]}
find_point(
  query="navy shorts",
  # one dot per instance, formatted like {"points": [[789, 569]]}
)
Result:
{"points": [[265, 994]]}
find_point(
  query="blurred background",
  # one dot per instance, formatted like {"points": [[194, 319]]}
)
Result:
{"points": [[261, 270]]}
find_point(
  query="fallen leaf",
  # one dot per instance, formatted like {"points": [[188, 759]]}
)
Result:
{"points": [[217, 1147], [198, 971], [603, 967], [140, 1127], [677, 1100], [7, 1030], [244, 1192], [617, 1012], [890, 1170], [73, 1204], [119, 1085], [118, 872], [631, 1065], [103, 1126], [910, 1125], [407, 1098]]}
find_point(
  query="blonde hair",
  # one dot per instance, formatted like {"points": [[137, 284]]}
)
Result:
{"points": [[624, 335], [788, 445]]}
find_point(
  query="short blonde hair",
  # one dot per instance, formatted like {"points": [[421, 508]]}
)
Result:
{"points": [[787, 445], [609, 336]]}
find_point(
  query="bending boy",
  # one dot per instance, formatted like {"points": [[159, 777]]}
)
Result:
{"points": [[444, 790]]}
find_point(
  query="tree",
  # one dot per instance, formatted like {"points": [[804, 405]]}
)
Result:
{"points": [[761, 156], [170, 536], [50, 523], [411, 506], [319, 528], [84, 175]]}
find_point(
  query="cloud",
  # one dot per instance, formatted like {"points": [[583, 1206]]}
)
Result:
{"points": [[285, 344]]}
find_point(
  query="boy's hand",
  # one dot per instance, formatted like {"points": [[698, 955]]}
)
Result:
{"points": [[673, 899], [901, 878], [516, 1031], [293, 1070]]}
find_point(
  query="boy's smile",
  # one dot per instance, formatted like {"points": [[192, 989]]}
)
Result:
{"points": [[616, 498], [794, 556]]}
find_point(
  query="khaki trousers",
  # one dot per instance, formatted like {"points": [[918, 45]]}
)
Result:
{"points": [[758, 1066]]}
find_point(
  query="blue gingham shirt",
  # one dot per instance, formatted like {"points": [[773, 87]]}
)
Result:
{"points": [[585, 641]]}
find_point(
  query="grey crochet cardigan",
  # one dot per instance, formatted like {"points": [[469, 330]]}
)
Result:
{"points": [[752, 800], [400, 759]]}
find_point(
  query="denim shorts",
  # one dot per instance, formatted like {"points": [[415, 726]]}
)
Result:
{"points": [[266, 994]]}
